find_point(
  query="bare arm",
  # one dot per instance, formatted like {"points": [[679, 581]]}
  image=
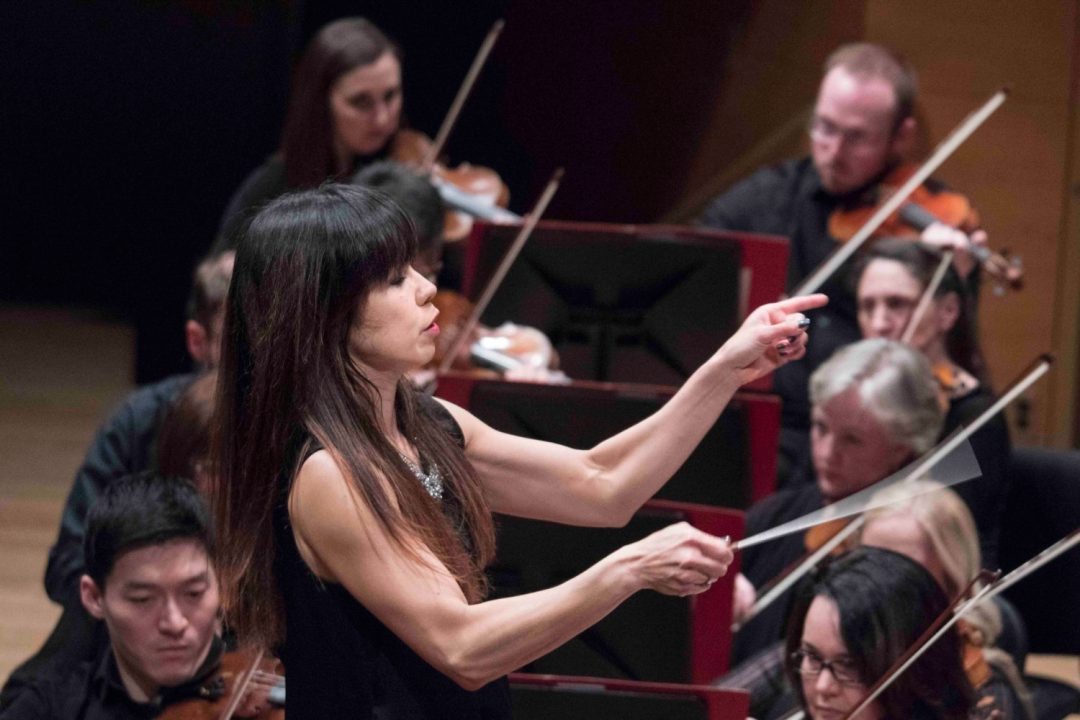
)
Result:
{"points": [[342, 541], [608, 483]]}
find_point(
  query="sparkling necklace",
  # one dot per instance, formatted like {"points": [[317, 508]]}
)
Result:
{"points": [[432, 481]]}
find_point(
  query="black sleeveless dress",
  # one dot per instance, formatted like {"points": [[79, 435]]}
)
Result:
{"points": [[342, 662]]}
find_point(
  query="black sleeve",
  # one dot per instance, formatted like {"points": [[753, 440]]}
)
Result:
{"points": [[32, 703], [986, 496], [108, 459], [123, 446], [442, 417]]}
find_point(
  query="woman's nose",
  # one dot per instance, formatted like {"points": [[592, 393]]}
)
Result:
{"points": [[425, 288]]}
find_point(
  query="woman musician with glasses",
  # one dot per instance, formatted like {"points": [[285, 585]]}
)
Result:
{"points": [[851, 621]]}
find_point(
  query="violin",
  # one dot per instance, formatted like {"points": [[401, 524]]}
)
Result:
{"points": [[817, 536], [468, 190], [471, 191], [217, 700], [976, 667], [923, 208], [953, 381]]}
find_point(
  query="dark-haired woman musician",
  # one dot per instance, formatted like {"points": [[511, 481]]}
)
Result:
{"points": [[890, 279], [852, 620], [356, 514], [344, 112]]}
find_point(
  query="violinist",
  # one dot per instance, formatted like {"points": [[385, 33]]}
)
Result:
{"points": [[875, 409], [862, 124], [936, 530], [356, 513], [852, 620], [124, 444], [932, 526], [149, 578], [890, 277], [345, 111]]}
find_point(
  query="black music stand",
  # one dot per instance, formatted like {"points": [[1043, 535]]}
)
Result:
{"points": [[650, 636], [626, 303], [733, 466], [618, 307], [585, 698]]}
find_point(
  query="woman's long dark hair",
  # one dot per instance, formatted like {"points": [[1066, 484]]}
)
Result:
{"points": [[961, 342], [304, 267], [307, 142], [885, 601]]}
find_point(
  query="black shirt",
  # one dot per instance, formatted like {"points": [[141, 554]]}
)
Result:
{"points": [[762, 563], [788, 199], [985, 496], [94, 691], [124, 446]]}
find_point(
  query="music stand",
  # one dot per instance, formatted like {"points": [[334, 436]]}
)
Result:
{"points": [[733, 466], [576, 697], [650, 636], [628, 303]]}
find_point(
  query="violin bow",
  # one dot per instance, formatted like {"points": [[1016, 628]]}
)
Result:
{"points": [[241, 686], [927, 296], [462, 94], [1022, 571], [941, 625], [995, 584], [946, 148], [504, 267], [864, 500]]}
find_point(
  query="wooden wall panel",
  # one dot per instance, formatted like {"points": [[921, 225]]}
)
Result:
{"points": [[1015, 169], [769, 82]]}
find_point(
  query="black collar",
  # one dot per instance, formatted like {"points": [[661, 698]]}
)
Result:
{"points": [[108, 686]]}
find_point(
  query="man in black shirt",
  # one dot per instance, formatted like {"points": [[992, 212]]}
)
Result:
{"points": [[124, 445], [149, 579], [861, 126]]}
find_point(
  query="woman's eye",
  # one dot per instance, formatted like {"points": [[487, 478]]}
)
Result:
{"points": [[362, 102]]}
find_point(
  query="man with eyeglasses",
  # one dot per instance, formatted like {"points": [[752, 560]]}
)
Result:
{"points": [[861, 126]]}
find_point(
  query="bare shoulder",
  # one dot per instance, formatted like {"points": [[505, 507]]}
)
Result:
{"points": [[319, 479], [325, 512]]}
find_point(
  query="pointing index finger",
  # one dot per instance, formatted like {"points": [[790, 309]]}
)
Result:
{"points": [[802, 302]]}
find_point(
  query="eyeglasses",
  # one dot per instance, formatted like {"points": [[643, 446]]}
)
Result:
{"points": [[808, 663], [823, 130]]}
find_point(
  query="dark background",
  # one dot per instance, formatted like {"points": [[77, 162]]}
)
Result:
{"points": [[127, 125]]}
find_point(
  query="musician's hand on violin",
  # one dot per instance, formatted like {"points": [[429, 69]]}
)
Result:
{"points": [[769, 337], [257, 696], [945, 237]]}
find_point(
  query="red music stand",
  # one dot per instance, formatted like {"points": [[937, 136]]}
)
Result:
{"points": [[698, 701]]}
